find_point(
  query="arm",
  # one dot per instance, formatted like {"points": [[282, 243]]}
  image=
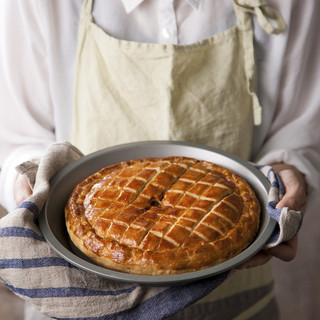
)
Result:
{"points": [[292, 143], [26, 122], [292, 137]]}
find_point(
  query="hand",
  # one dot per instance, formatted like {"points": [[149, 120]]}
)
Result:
{"points": [[295, 198], [22, 189]]}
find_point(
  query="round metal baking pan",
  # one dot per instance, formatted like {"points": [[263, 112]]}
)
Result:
{"points": [[52, 223]]}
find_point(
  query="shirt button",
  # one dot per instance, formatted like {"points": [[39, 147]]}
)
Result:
{"points": [[166, 33]]}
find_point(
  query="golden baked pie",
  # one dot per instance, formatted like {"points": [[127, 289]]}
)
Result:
{"points": [[162, 216]]}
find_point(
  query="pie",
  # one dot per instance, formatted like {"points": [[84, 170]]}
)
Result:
{"points": [[162, 216]]}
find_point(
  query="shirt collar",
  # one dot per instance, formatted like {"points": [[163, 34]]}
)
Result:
{"points": [[132, 4]]}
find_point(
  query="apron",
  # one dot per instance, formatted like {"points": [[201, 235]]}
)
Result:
{"points": [[203, 92]]}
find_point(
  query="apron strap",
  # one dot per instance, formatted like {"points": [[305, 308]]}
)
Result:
{"points": [[87, 9], [268, 18], [270, 21]]}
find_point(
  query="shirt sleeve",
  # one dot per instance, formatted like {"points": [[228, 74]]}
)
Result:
{"points": [[26, 122], [293, 136]]}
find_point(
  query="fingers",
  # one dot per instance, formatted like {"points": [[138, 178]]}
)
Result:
{"points": [[295, 196], [259, 259], [286, 251], [22, 189], [293, 203]]}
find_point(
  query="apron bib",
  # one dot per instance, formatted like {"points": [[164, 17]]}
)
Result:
{"points": [[127, 91], [204, 93]]}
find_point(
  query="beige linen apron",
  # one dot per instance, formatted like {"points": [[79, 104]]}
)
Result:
{"points": [[204, 92]]}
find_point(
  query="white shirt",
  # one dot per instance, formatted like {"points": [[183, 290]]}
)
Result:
{"points": [[38, 41]]}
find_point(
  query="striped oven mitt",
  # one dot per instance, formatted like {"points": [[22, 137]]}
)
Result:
{"points": [[31, 269]]}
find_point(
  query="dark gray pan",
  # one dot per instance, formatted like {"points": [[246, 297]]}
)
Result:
{"points": [[52, 222]]}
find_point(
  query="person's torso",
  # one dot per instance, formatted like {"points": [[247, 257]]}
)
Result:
{"points": [[202, 92]]}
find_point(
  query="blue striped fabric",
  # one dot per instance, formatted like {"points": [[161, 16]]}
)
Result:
{"points": [[30, 206], [274, 238], [165, 303], [67, 292], [20, 232], [34, 263]]}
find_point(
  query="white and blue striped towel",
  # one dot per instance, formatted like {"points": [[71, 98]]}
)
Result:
{"points": [[288, 221], [33, 271]]}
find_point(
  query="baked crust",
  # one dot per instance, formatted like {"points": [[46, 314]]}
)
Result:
{"points": [[162, 216]]}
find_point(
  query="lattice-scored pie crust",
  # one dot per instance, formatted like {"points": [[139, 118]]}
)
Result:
{"points": [[162, 216]]}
